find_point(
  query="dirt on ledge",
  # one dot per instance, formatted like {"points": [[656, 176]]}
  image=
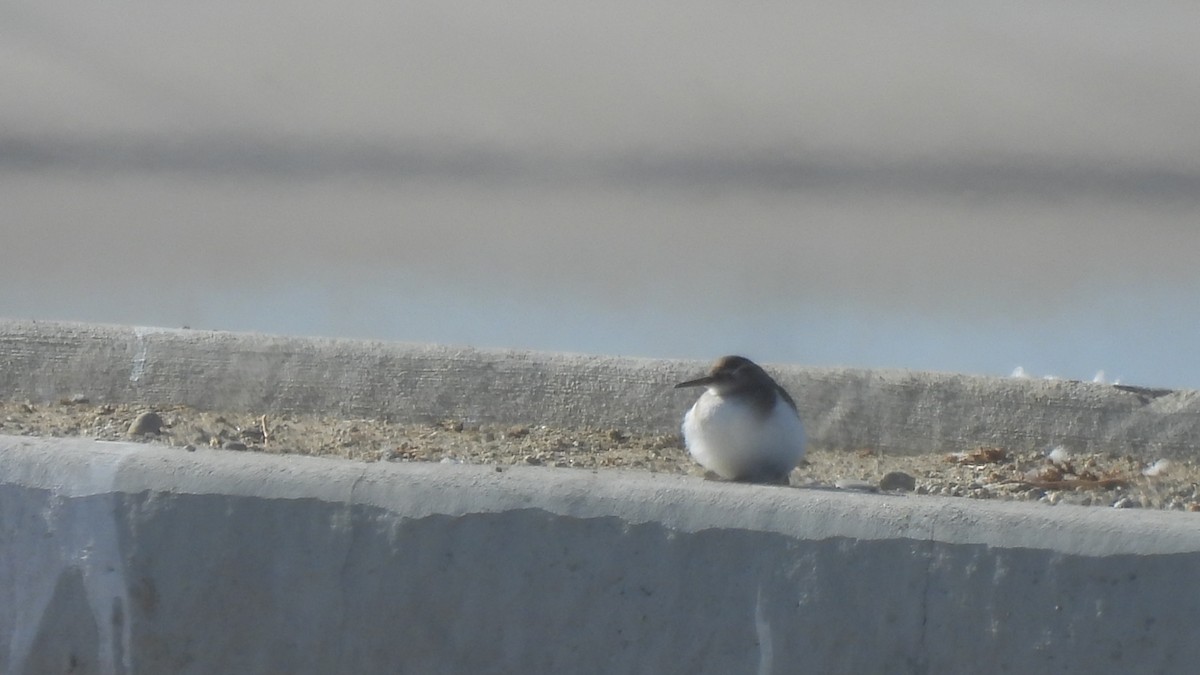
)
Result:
{"points": [[983, 473]]}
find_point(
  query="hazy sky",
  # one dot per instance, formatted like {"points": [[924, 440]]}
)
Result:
{"points": [[950, 186]]}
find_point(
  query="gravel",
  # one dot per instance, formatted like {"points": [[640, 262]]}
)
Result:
{"points": [[1055, 477]]}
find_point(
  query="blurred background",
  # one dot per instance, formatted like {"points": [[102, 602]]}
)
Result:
{"points": [[951, 186]]}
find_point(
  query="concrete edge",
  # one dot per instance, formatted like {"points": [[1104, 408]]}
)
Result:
{"points": [[80, 467], [891, 411]]}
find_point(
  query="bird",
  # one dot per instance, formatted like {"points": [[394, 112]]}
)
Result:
{"points": [[744, 427]]}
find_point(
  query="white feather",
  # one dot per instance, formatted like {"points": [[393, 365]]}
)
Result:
{"points": [[727, 436]]}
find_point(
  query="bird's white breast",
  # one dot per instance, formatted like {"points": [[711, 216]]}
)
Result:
{"points": [[731, 438]]}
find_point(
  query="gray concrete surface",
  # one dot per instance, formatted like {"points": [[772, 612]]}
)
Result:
{"points": [[891, 411], [127, 558]]}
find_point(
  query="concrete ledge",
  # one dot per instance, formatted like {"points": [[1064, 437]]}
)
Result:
{"points": [[892, 411], [124, 558]]}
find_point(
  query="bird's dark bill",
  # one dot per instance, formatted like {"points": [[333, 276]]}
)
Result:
{"points": [[699, 382]]}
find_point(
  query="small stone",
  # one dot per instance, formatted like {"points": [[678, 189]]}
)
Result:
{"points": [[1045, 474], [233, 445], [898, 480], [1156, 469], [978, 456], [189, 447], [254, 434], [146, 423], [1059, 455]]}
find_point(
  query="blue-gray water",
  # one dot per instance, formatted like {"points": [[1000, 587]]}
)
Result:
{"points": [[944, 187]]}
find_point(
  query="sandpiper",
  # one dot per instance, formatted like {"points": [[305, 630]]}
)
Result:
{"points": [[745, 426]]}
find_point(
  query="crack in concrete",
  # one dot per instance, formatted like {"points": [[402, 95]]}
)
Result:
{"points": [[344, 572], [920, 663]]}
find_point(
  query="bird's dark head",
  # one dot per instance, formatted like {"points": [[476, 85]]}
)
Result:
{"points": [[739, 376], [731, 373]]}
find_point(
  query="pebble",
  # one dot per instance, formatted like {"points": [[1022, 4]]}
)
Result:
{"points": [[1059, 455], [146, 423], [1126, 503], [898, 480], [233, 445], [253, 434], [1158, 468]]}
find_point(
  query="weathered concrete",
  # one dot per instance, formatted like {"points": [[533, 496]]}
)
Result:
{"points": [[125, 558], [892, 411]]}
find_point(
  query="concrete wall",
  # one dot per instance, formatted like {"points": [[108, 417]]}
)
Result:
{"points": [[124, 558], [892, 411]]}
